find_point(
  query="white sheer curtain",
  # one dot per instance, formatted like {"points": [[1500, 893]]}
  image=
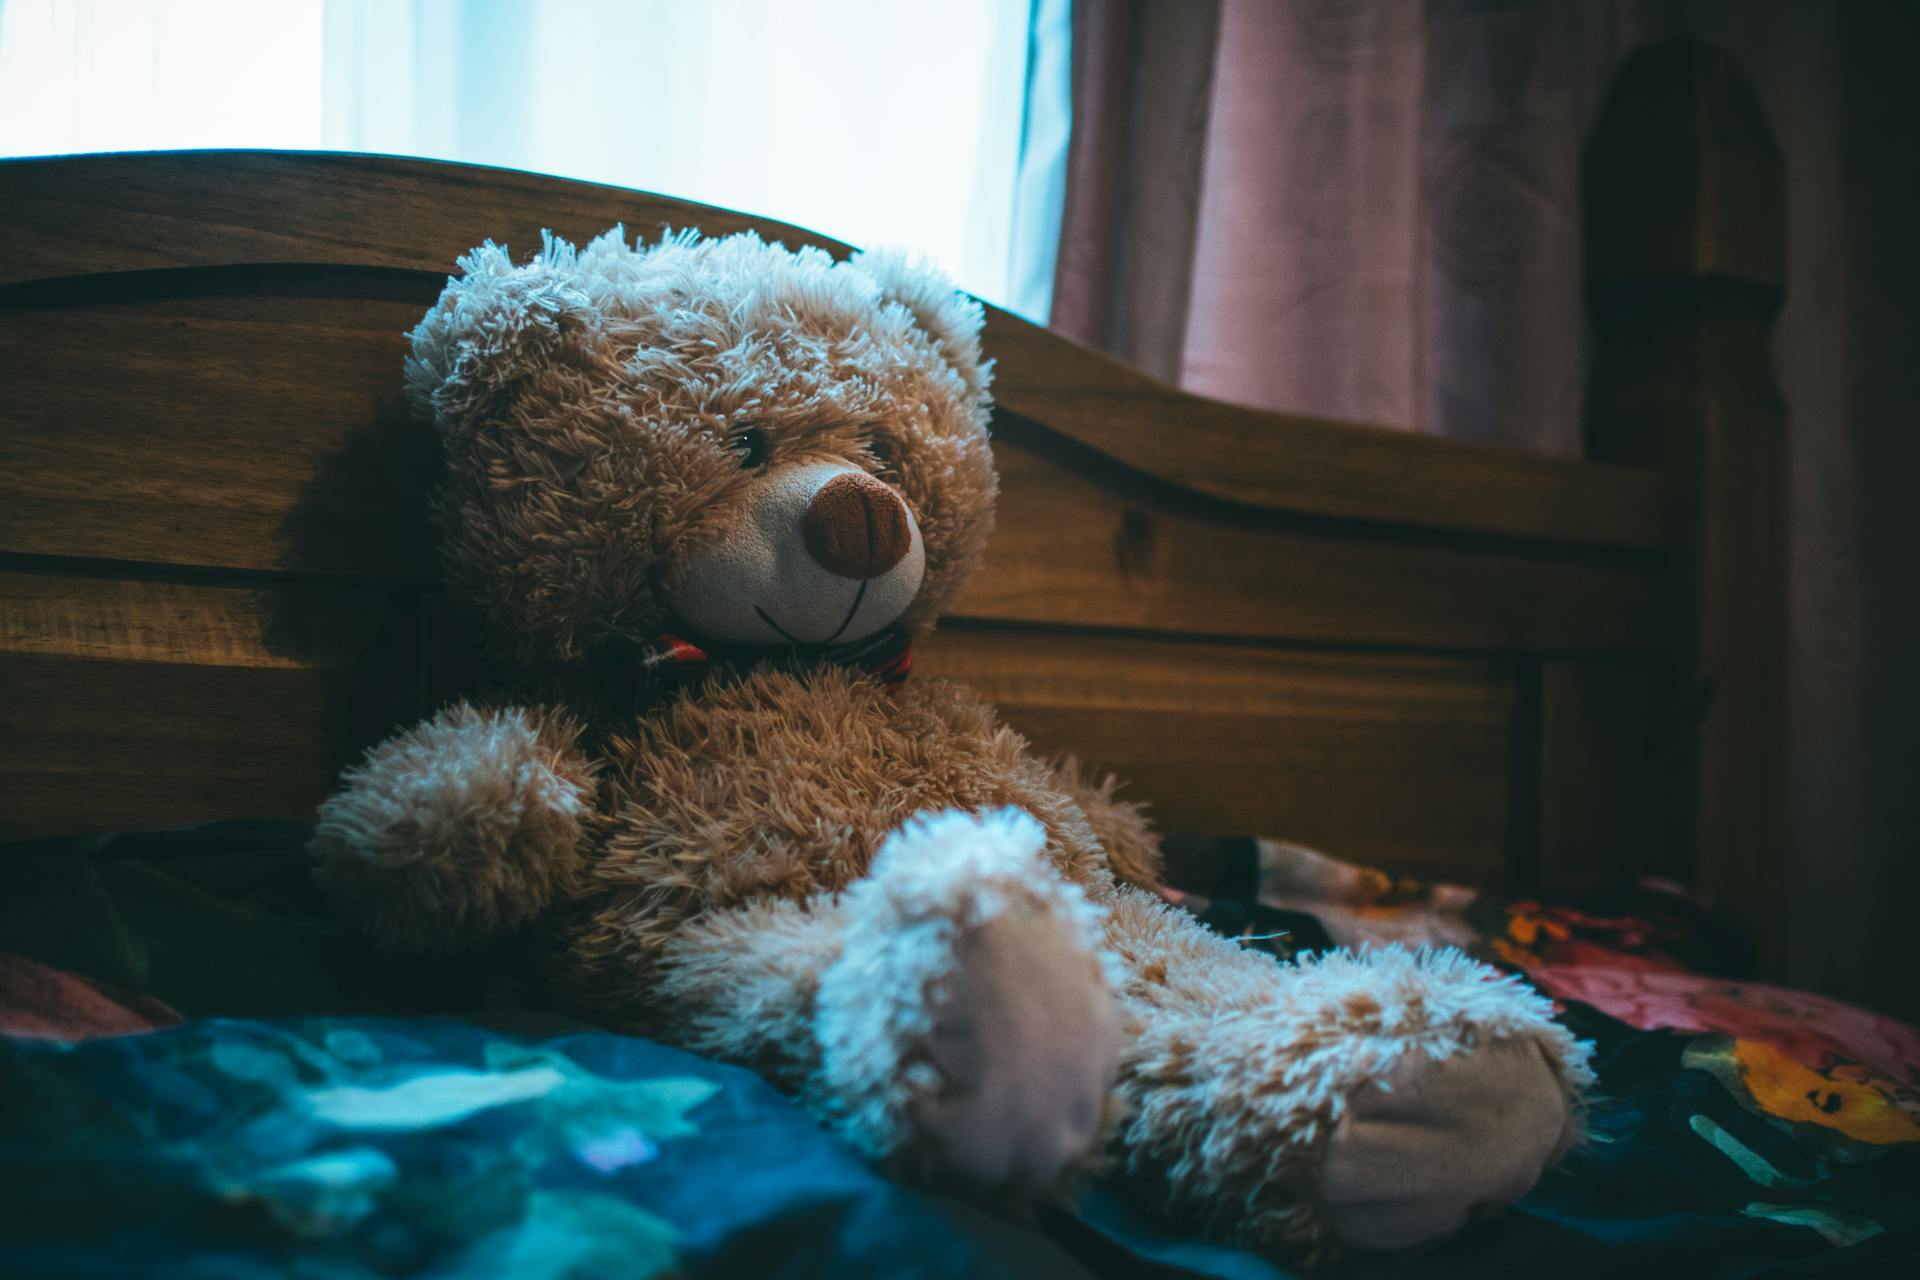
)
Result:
{"points": [[940, 127]]}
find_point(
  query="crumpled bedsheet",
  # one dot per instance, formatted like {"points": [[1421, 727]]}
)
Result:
{"points": [[323, 1111]]}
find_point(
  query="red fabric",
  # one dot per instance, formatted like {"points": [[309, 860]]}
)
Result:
{"points": [[887, 655], [53, 1004], [1627, 966], [1814, 1031]]}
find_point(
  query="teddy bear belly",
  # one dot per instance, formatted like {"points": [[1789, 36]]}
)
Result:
{"points": [[778, 784]]}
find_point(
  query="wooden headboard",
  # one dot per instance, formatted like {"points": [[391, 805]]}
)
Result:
{"points": [[216, 584]]}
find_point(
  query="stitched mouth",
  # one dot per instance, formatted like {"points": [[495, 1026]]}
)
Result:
{"points": [[845, 622]]}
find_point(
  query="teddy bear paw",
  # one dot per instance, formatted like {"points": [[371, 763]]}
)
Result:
{"points": [[968, 1023], [1440, 1138], [1026, 1042]]}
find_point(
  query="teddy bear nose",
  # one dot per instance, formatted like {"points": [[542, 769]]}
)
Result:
{"points": [[856, 526]]}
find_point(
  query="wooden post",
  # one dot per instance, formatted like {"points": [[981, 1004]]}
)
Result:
{"points": [[1685, 243]]}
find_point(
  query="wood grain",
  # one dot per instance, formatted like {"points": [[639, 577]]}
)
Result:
{"points": [[139, 703], [1600, 758], [88, 747], [253, 420], [1399, 762], [85, 215], [249, 432], [267, 627], [1687, 166], [1314, 465], [103, 214], [1684, 284], [1094, 547]]}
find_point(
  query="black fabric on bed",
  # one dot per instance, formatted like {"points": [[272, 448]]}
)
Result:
{"points": [[218, 920]]}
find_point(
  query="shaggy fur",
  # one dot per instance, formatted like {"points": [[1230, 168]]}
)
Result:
{"points": [[585, 400], [1119, 826], [474, 820], [935, 881], [781, 785], [752, 865], [1228, 1032]]}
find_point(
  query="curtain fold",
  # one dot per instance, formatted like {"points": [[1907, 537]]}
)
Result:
{"points": [[1142, 94], [1306, 288]]}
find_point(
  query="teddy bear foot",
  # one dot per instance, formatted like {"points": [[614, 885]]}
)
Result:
{"points": [[1026, 1041], [1439, 1138], [968, 1026]]}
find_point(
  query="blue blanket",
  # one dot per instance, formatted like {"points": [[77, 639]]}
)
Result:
{"points": [[369, 1147], [362, 1147]]}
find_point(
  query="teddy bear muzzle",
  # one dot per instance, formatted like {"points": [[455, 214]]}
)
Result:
{"points": [[817, 553]]}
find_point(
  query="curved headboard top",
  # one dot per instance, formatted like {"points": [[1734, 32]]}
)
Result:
{"points": [[88, 216]]}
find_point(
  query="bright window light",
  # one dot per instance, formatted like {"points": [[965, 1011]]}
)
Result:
{"points": [[874, 121], [144, 75]]}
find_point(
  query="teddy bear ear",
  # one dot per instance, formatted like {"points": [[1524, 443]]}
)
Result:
{"points": [[494, 325], [952, 318]]}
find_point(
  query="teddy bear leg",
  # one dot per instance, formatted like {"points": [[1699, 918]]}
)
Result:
{"points": [[947, 1012], [743, 985], [970, 1024], [1372, 1099]]}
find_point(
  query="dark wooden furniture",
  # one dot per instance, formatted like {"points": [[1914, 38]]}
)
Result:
{"points": [[216, 583]]}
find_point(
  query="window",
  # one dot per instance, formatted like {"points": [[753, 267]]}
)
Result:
{"points": [[940, 127]]}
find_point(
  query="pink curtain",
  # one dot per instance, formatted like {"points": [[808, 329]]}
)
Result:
{"points": [[1142, 90], [1381, 222], [1380, 201]]}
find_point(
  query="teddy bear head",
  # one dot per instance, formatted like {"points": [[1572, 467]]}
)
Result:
{"points": [[724, 439]]}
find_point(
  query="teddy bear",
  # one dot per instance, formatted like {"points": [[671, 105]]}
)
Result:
{"points": [[700, 497]]}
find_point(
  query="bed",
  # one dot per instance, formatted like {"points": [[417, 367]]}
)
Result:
{"points": [[212, 512], [1462, 664]]}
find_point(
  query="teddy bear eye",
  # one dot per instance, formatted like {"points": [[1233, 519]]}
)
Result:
{"points": [[881, 450], [750, 443]]}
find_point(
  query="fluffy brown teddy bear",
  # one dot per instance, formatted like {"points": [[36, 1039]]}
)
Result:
{"points": [[702, 493]]}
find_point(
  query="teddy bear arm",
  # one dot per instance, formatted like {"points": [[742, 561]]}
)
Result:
{"points": [[460, 830], [1368, 1100]]}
